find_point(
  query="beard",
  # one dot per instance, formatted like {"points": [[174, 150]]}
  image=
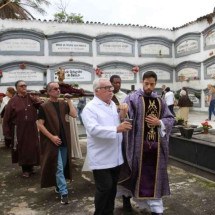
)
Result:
{"points": [[148, 93]]}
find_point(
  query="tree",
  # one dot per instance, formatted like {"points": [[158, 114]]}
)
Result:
{"points": [[16, 9], [63, 16]]}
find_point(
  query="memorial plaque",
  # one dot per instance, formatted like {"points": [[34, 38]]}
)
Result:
{"points": [[115, 47], [71, 46], [190, 73], [125, 75], [210, 38], [155, 49], [187, 46], [162, 75], [210, 70], [75, 75], [19, 74], [20, 45]]}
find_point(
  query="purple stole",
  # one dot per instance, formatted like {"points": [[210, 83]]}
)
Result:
{"points": [[149, 150]]}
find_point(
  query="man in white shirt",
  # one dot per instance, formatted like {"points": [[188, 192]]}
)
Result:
{"points": [[118, 95], [169, 98], [103, 127]]}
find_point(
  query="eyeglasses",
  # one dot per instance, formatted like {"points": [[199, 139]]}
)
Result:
{"points": [[23, 85], [56, 88], [107, 88]]}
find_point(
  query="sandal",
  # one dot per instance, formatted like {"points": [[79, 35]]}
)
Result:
{"points": [[26, 175]]}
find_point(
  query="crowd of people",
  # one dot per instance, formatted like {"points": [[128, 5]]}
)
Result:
{"points": [[127, 138]]}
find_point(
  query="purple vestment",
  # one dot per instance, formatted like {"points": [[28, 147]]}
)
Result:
{"points": [[144, 172]]}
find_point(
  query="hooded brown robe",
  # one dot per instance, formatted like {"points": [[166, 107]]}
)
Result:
{"points": [[49, 151]]}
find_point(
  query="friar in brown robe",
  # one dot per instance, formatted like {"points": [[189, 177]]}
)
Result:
{"points": [[21, 113]]}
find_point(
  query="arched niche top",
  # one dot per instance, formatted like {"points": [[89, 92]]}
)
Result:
{"points": [[32, 73], [155, 47], [66, 64], [164, 71], [11, 33], [155, 40], [115, 36], [75, 72], [18, 64], [116, 64], [206, 91], [65, 35], [210, 60], [123, 69], [21, 42], [187, 44], [189, 89], [186, 64], [188, 35], [163, 66], [208, 29]]}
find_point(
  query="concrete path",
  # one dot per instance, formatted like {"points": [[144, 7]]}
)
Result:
{"points": [[191, 194]]}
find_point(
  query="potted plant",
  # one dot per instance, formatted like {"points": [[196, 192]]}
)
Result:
{"points": [[186, 131], [206, 126], [179, 120]]}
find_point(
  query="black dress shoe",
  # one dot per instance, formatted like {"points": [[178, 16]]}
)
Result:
{"points": [[153, 213], [127, 204]]}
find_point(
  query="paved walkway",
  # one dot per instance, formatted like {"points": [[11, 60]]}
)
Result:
{"points": [[191, 194]]}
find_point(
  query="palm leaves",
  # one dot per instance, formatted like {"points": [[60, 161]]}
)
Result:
{"points": [[17, 9]]}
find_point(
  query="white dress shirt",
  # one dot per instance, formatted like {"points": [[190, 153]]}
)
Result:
{"points": [[104, 144], [169, 98]]}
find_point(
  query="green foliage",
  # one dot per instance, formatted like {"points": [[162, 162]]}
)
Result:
{"points": [[178, 118], [177, 95], [65, 17]]}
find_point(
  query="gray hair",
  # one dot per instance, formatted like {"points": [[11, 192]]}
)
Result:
{"points": [[97, 83], [183, 93]]}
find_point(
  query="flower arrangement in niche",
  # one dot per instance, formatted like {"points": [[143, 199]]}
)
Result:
{"points": [[135, 69], [211, 53], [98, 72], [22, 66], [206, 126], [187, 79]]}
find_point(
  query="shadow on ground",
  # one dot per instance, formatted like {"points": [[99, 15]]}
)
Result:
{"points": [[190, 194]]}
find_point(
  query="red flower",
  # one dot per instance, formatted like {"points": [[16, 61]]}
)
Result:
{"points": [[1, 73], [22, 66], [98, 72], [206, 125], [135, 69]]}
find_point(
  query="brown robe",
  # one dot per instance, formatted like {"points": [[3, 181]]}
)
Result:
{"points": [[49, 151], [22, 112]]}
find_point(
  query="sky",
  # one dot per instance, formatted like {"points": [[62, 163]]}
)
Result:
{"points": [[156, 13]]}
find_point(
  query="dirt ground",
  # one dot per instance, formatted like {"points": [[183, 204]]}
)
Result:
{"points": [[191, 194]]}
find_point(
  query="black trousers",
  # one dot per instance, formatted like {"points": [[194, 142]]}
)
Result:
{"points": [[106, 187], [171, 108]]}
